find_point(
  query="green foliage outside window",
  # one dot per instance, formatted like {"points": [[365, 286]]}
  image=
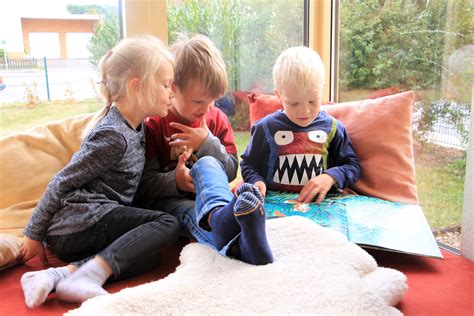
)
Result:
{"points": [[411, 45], [106, 32], [250, 33]]}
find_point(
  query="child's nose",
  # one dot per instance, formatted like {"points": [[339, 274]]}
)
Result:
{"points": [[307, 108]]}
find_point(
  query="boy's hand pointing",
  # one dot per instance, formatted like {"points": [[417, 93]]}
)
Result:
{"points": [[189, 136]]}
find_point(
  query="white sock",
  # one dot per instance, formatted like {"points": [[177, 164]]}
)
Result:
{"points": [[38, 284], [84, 283]]}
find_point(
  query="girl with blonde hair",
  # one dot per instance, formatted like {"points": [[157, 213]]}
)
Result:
{"points": [[85, 215]]}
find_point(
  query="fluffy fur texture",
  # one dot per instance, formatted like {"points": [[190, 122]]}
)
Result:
{"points": [[316, 270]]}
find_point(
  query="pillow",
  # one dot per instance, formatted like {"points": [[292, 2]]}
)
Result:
{"points": [[261, 105], [28, 160], [381, 132], [9, 250]]}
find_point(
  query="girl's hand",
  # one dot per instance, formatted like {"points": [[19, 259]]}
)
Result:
{"points": [[261, 187], [184, 181], [189, 136], [319, 186], [31, 248]]}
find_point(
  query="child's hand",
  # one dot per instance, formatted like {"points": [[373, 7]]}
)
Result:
{"points": [[189, 137], [184, 181], [31, 248], [319, 185], [261, 187]]}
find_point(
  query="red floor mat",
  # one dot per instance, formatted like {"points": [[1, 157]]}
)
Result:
{"points": [[436, 287], [11, 294]]}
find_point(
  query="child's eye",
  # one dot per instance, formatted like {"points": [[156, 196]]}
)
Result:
{"points": [[167, 85]]}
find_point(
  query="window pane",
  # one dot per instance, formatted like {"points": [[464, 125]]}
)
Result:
{"points": [[250, 34], [428, 47], [48, 55]]}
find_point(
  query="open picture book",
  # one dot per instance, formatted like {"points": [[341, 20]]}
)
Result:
{"points": [[367, 221]]}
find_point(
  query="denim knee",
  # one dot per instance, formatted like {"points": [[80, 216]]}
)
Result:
{"points": [[209, 160]]}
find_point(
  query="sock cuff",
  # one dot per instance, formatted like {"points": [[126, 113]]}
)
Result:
{"points": [[59, 273], [93, 269]]}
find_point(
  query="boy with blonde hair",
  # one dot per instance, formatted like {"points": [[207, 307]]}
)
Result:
{"points": [[300, 148], [195, 130]]}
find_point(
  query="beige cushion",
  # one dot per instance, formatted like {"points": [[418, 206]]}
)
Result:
{"points": [[9, 250], [28, 161]]}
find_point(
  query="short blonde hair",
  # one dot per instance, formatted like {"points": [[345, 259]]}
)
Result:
{"points": [[199, 61], [299, 67], [133, 57]]}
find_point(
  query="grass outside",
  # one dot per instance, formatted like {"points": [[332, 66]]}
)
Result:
{"points": [[440, 171], [16, 117], [440, 176]]}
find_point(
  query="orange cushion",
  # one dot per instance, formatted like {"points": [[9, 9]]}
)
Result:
{"points": [[381, 132], [261, 105]]}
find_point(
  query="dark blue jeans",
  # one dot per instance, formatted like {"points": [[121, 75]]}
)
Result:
{"points": [[129, 239]]}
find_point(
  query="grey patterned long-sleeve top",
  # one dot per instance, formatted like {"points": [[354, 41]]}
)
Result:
{"points": [[102, 175]]}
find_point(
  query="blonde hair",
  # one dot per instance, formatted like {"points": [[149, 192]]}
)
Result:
{"points": [[199, 60], [133, 57], [299, 67]]}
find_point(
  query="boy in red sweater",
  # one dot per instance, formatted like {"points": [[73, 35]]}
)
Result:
{"points": [[194, 125]]}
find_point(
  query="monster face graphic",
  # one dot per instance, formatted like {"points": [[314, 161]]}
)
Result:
{"points": [[301, 156]]}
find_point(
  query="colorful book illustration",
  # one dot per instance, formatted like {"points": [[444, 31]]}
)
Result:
{"points": [[367, 221]]}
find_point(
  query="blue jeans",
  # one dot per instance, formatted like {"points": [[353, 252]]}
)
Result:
{"points": [[129, 239], [212, 191]]}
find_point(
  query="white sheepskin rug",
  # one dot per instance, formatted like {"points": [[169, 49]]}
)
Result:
{"points": [[316, 271]]}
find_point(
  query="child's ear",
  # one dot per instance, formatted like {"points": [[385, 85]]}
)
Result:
{"points": [[134, 86], [277, 93], [173, 87]]}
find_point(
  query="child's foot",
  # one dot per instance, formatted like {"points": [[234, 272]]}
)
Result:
{"points": [[38, 284], [252, 245], [86, 282], [222, 221], [223, 225], [247, 187]]}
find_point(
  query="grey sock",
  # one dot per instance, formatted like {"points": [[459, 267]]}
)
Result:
{"points": [[86, 282], [38, 284]]}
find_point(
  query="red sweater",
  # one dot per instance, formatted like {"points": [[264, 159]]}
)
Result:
{"points": [[158, 132]]}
